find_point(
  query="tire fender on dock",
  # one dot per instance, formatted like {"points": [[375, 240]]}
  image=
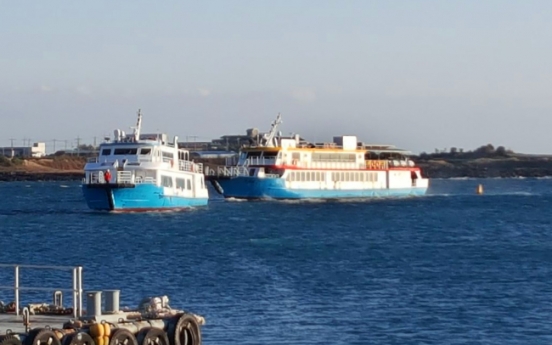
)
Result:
{"points": [[41, 336], [152, 336], [122, 336], [184, 331], [10, 339], [80, 338]]}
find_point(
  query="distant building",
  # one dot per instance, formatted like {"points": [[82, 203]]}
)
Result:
{"points": [[37, 150]]}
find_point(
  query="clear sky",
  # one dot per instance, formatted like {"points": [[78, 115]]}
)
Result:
{"points": [[417, 74]]}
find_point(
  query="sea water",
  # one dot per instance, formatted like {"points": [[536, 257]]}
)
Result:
{"points": [[452, 267]]}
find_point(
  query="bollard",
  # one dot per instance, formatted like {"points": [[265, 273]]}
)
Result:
{"points": [[112, 301], [93, 303]]}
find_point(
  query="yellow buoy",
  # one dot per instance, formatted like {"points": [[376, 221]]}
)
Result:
{"points": [[97, 330], [107, 330], [106, 339], [479, 189], [99, 341]]}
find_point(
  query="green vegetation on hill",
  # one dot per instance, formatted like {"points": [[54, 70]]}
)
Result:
{"points": [[485, 151]]}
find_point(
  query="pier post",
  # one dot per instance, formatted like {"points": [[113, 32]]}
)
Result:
{"points": [[75, 289], [16, 289], [80, 289]]}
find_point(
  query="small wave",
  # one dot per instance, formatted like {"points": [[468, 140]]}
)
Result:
{"points": [[63, 186], [235, 199], [265, 240]]}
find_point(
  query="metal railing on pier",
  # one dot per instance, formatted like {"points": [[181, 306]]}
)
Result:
{"points": [[76, 290]]}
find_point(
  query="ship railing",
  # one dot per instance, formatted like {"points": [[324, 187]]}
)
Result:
{"points": [[95, 177], [233, 171], [124, 177], [260, 161], [145, 180], [377, 164], [190, 166], [401, 163], [76, 289]]}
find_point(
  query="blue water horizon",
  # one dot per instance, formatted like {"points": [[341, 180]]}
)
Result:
{"points": [[451, 267]]}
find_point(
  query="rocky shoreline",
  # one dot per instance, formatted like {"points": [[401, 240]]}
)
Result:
{"points": [[487, 168], [431, 168]]}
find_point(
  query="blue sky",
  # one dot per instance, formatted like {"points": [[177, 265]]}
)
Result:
{"points": [[417, 74]]}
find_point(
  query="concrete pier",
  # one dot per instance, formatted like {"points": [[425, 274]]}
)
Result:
{"points": [[15, 323]]}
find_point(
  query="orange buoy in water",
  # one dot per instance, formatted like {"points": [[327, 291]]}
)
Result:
{"points": [[479, 189]]}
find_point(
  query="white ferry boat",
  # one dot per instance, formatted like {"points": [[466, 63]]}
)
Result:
{"points": [[288, 168], [139, 172]]}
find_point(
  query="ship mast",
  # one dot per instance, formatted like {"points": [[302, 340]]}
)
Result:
{"points": [[269, 137], [138, 126]]}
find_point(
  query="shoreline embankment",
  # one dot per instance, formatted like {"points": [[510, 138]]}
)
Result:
{"points": [[507, 167]]}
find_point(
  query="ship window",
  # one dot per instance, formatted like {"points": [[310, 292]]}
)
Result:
{"points": [[180, 183], [254, 154], [270, 154], [106, 152], [166, 181], [189, 184], [125, 151], [168, 155], [145, 151]]}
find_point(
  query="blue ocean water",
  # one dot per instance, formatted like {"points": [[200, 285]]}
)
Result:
{"points": [[448, 268]]}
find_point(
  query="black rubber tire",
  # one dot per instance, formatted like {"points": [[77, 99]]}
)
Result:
{"points": [[79, 338], [186, 331], [10, 339], [120, 335], [152, 336], [42, 336]]}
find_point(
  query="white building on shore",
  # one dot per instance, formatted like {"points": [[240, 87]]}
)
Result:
{"points": [[37, 150]]}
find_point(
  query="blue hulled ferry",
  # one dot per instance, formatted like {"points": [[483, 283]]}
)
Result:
{"points": [[141, 172], [275, 167]]}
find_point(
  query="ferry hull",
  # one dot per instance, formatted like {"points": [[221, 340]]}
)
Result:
{"points": [[135, 198], [243, 187]]}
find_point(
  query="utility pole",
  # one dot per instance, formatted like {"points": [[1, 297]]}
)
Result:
{"points": [[54, 145], [78, 146]]}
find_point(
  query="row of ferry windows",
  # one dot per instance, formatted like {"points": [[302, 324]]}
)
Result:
{"points": [[127, 151], [167, 181], [143, 151], [327, 157], [345, 176]]}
